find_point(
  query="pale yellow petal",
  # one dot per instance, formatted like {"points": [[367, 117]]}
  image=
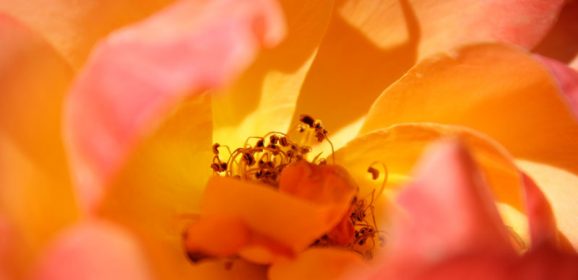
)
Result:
{"points": [[264, 98]]}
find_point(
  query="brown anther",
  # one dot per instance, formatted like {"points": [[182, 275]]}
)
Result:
{"points": [[223, 166], [216, 148], [308, 120], [249, 159], [374, 172], [283, 141], [273, 139], [260, 143], [216, 167]]}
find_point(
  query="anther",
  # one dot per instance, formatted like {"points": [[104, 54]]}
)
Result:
{"points": [[308, 120]]}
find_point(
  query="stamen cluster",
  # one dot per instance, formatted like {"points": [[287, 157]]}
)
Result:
{"points": [[263, 158]]}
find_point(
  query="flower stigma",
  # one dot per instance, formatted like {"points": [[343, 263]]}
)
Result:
{"points": [[283, 163]]}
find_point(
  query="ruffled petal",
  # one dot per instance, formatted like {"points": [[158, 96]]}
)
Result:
{"points": [[319, 263], [93, 250], [560, 188], [447, 210], [497, 90], [370, 44], [561, 42], [73, 27], [263, 99], [33, 174], [137, 75], [399, 148]]}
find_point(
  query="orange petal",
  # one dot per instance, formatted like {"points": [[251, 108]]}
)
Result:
{"points": [[201, 239], [137, 75], [263, 98], [399, 147], [322, 184], [73, 27], [447, 210], [33, 173], [497, 90], [282, 218], [370, 44], [561, 42], [319, 263], [93, 250]]}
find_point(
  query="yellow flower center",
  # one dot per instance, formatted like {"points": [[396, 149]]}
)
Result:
{"points": [[284, 163]]}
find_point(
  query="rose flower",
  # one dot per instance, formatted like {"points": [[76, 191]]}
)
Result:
{"points": [[195, 154]]}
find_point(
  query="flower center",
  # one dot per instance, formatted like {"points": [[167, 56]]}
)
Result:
{"points": [[285, 163]]}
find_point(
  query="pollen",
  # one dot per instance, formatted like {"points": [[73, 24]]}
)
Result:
{"points": [[285, 162]]}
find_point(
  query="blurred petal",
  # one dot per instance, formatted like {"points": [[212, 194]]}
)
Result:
{"points": [[447, 210], [561, 189], [546, 263], [399, 147], [91, 251], [159, 186], [561, 42], [567, 79], [73, 27], [543, 228], [319, 263], [497, 90], [370, 44], [263, 99], [137, 75], [33, 175]]}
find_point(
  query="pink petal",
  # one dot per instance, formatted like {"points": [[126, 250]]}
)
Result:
{"points": [[561, 42], [448, 210], [138, 74], [93, 251], [567, 79], [546, 263], [543, 228]]}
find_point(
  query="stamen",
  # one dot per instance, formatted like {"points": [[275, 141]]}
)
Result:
{"points": [[263, 159]]}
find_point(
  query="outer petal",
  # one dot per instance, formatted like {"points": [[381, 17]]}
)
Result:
{"points": [[263, 99], [560, 188], [567, 79], [448, 210], [33, 175], [370, 44], [561, 42], [158, 189], [543, 228], [73, 27], [136, 76], [495, 89], [91, 251]]}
